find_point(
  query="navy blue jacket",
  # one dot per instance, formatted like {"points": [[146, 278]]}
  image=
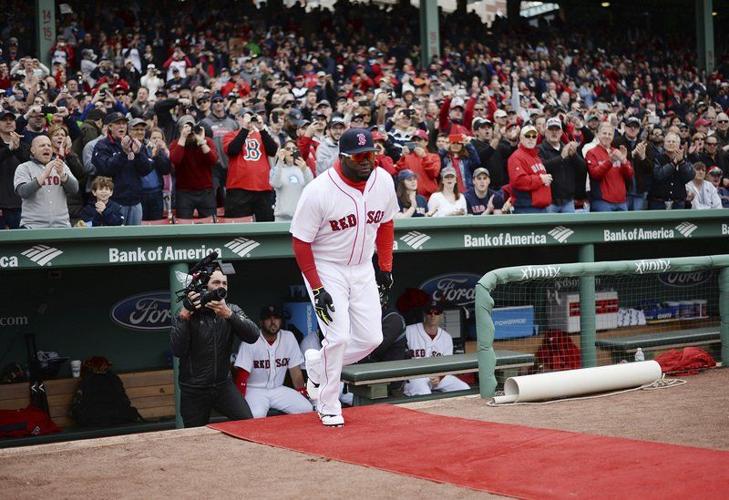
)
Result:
{"points": [[111, 161], [111, 216]]}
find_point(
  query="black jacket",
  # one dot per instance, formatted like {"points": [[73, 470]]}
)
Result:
{"points": [[204, 344], [498, 162], [670, 178], [9, 161], [568, 175]]}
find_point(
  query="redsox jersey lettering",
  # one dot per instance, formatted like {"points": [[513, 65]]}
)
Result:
{"points": [[341, 222], [420, 345], [268, 363]]}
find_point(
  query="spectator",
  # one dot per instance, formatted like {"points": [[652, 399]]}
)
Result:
{"points": [[101, 210], [411, 203], [529, 180], [262, 367], [61, 144], [484, 140], [480, 198], [152, 183], [671, 172], [90, 129], [289, 175], [13, 152], [715, 178], [643, 170], [566, 166], [151, 81], [609, 170], [722, 131], [427, 340], [221, 124], [401, 132], [448, 200], [124, 160], [701, 193], [498, 163], [248, 190], [193, 158], [462, 156], [43, 182], [425, 165], [451, 116], [35, 124], [382, 160], [328, 150], [714, 155]]}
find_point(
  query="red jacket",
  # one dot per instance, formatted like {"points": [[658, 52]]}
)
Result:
{"points": [[427, 169], [525, 170], [193, 168], [607, 183]]}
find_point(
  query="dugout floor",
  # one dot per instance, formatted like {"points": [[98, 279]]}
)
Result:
{"points": [[197, 463]]}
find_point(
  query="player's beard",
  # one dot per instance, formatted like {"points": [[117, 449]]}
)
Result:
{"points": [[353, 171]]}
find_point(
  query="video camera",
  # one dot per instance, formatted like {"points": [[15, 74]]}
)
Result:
{"points": [[200, 275]]}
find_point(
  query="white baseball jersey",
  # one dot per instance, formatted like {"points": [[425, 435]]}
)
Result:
{"points": [[421, 345], [341, 222], [268, 363]]}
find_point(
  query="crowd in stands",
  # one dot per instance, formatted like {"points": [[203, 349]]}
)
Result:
{"points": [[229, 111]]}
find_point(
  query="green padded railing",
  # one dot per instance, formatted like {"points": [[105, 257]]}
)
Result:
{"points": [[485, 303]]}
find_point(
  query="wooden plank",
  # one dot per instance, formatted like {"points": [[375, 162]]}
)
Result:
{"points": [[153, 390], [63, 421], [160, 411], [14, 391], [14, 404], [151, 402], [137, 379]]}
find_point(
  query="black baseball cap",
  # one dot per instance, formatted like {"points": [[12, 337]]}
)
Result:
{"points": [[270, 310], [6, 112], [435, 306], [356, 140]]}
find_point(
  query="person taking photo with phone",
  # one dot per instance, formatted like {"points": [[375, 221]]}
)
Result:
{"points": [[289, 175]]}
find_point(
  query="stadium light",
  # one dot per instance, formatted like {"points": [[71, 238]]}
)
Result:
{"points": [[605, 4]]}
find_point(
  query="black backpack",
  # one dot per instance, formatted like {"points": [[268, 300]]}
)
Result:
{"points": [[101, 401]]}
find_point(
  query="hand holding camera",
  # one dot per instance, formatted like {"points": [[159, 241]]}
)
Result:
{"points": [[199, 132]]}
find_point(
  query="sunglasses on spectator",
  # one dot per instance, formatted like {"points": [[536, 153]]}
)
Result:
{"points": [[530, 135], [712, 143], [478, 109], [218, 99], [360, 157], [722, 121]]}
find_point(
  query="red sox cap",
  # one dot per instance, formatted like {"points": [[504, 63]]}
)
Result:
{"points": [[356, 140]]}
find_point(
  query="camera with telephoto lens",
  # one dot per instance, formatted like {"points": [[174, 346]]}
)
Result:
{"points": [[198, 276]]}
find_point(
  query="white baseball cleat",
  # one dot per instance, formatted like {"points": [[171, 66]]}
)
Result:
{"points": [[332, 420], [312, 363]]}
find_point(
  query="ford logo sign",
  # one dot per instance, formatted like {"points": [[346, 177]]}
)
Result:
{"points": [[148, 311], [452, 289], [685, 279]]}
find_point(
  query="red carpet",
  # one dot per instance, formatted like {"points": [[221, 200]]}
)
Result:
{"points": [[504, 459]]}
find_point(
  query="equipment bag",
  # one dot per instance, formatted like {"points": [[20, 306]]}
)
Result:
{"points": [[101, 401]]}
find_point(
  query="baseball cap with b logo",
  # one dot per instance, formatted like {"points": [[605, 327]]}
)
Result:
{"points": [[356, 140]]}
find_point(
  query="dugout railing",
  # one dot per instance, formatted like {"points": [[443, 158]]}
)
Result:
{"points": [[586, 272]]}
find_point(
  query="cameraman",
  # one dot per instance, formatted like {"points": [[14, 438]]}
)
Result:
{"points": [[202, 337]]}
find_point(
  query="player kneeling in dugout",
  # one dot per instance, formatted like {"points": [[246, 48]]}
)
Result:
{"points": [[261, 369]]}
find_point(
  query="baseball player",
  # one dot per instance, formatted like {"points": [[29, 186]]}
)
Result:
{"points": [[342, 215], [426, 340], [262, 368]]}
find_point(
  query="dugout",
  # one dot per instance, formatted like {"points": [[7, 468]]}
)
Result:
{"points": [[106, 291]]}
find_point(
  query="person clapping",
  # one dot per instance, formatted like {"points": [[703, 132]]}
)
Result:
{"points": [[43, 183]]}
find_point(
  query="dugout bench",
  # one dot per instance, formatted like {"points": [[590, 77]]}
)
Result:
{"points": [[624, 347], [368, 381]]}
